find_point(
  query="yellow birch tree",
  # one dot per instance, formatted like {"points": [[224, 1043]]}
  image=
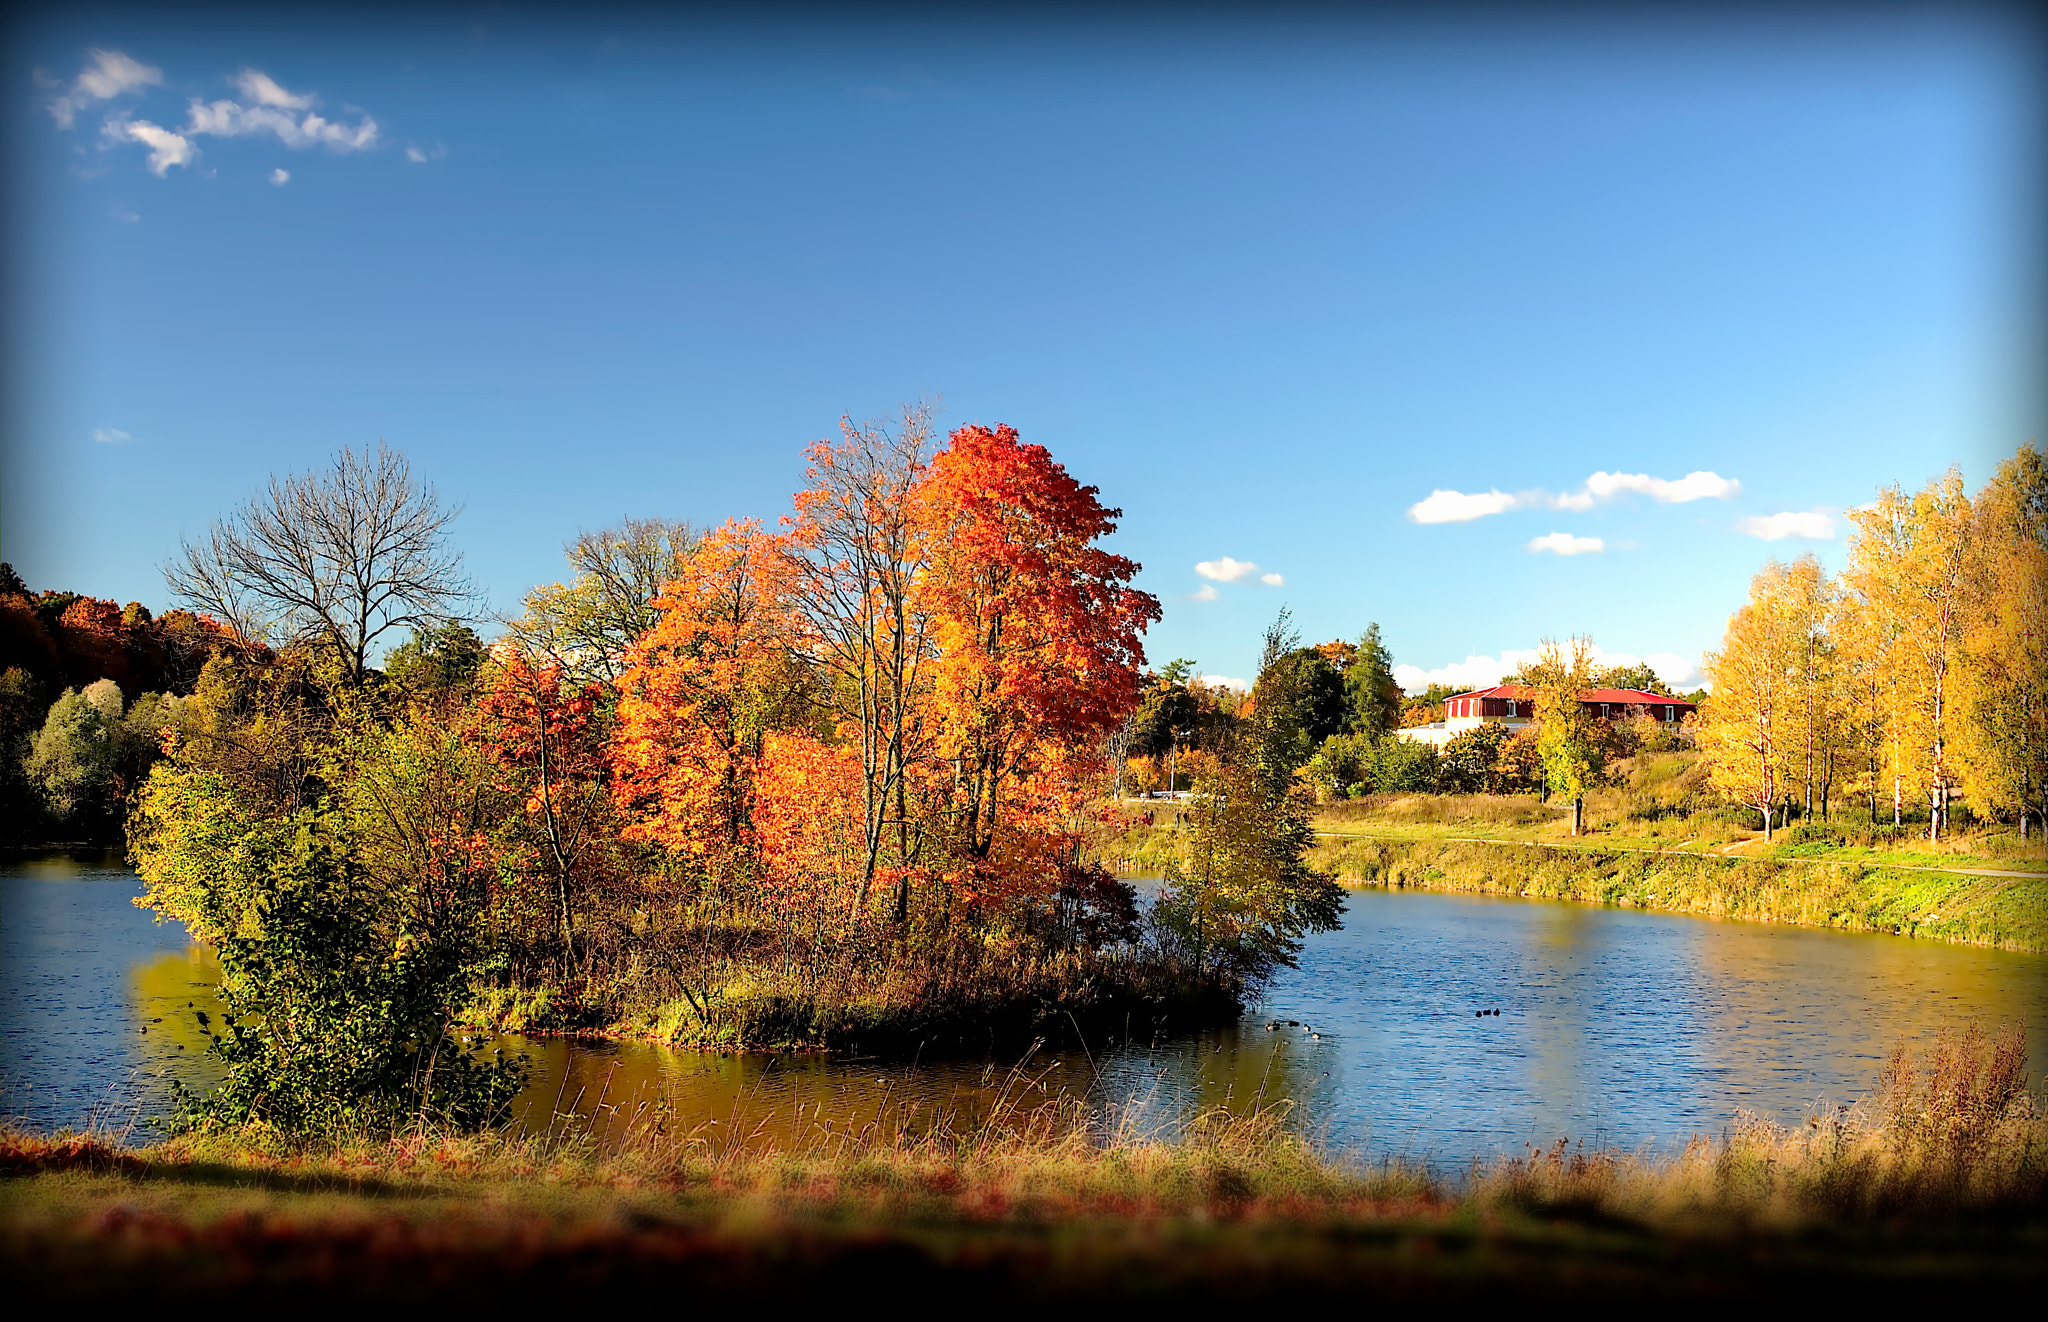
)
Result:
{"points": [[1752, 718], [1909, 559], [2004, 743]]}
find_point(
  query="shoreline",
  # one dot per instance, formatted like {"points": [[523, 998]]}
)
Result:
{"points": [[2001, 911]]}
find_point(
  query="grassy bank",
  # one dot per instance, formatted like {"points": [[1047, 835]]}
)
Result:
{"points": [[1656, 838], [991, 1005], [1934, 1185], [2011, 913]]}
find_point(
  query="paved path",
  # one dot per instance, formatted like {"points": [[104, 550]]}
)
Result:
{"points": [[1679, 853]]}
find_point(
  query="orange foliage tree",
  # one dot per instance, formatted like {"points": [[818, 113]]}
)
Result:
{"points": [[909, 686], [859, 549], [1039, 638], [702, 690]]}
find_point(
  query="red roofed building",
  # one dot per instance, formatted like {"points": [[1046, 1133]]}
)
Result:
{"points": [[1514, 705]]}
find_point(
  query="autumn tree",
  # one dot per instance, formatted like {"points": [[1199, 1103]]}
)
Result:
{"points": [[858, 547], [1038, 631], [2005, 740], [1751, 724], [1808, 602], [1909, 561], [701, 692]]}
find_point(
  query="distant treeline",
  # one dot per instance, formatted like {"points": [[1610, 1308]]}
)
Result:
{"points": [[82, 684]]}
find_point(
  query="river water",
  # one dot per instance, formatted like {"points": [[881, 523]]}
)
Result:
{"points": [[1615, 1026]]}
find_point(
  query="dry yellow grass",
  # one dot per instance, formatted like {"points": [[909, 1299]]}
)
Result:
{"points": [[1943, 1169]]}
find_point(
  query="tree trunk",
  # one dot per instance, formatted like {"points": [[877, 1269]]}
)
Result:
{"points": [[1578, 813]]}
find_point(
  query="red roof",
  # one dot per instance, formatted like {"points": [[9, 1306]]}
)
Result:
{"points": [[1627, 697]]}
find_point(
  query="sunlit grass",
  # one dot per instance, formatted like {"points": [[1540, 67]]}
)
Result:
{"points": [[1951, 1143]]}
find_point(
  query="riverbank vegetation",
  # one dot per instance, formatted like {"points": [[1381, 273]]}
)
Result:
{"points": [[1657, 836], [1920, 673], [1935, 1183], [824, 787]]}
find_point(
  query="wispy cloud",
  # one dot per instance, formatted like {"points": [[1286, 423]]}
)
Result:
{"points": [[265, 108], [264, 91], [280, 177], [1693, 486], [1478, 672], [166, 148], [1225, 569], [1447, 506], [270, 109], [111, 436], [1273, 580], [110, 74], [1206, 592], [1806, 525], [1563, 543]]}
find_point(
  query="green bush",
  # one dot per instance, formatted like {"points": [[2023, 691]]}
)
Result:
{"points": [[341, 988]]}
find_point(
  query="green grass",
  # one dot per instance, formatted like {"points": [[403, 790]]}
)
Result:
{"points": [[1934, 1184], [1658, 838], [2011, 913]]}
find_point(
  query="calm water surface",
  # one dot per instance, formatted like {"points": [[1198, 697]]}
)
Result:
{"points": [[1616, 1026]]}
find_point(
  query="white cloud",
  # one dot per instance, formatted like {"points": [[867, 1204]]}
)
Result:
{"points": [[110, 74], [1479, 672], [111, 436], [1807, 525], [415, 155], [1226, 570], [166, 148], [1272, 580], [1462, 507], [1458, 507], [1207, 592], [420, 156], [1693, 486], [280, 177], [229, 119], [1230, 682], [260, 88], [1563, 543]]}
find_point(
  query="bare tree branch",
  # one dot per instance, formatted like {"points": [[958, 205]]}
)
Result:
{"points": [[336, 558]]}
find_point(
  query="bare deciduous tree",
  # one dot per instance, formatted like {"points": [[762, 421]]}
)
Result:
{"points": [[590, 622], [338, 557]]}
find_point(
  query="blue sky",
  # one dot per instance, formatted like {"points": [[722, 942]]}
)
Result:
{"points": [[1644, 288]]}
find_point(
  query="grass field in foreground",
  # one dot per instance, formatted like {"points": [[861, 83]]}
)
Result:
{"points": [[1932, 1188]]}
